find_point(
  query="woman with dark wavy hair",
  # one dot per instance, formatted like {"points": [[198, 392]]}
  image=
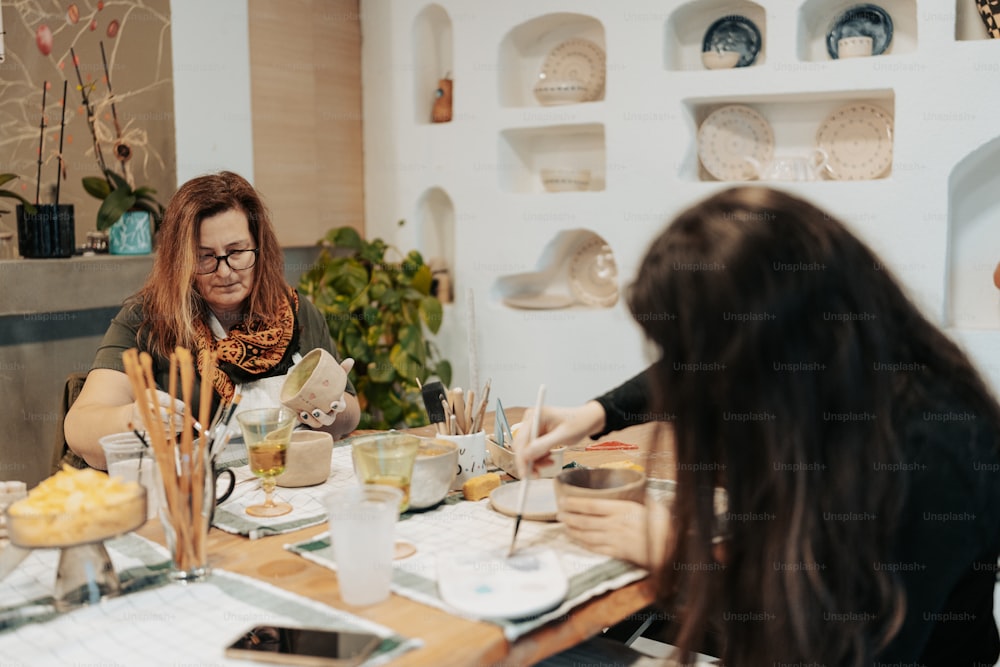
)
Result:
{"points": [[858, 448], [217, 284]]}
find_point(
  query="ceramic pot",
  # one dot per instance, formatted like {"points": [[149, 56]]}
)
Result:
{"points": [[48, 232], [132, 234]]}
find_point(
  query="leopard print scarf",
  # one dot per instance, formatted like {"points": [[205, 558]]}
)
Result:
{"points": [[250, 352]]}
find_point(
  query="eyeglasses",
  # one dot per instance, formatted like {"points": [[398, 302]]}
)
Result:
{"points": [[237, 260]]}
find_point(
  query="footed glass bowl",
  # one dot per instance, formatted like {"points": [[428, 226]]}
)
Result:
{"points": [[85, 573]]}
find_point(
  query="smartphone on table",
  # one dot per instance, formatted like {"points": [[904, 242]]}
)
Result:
{"points": [[303, 646]]}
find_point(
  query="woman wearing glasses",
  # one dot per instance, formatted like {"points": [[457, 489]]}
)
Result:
{"points": [[217, 284]]}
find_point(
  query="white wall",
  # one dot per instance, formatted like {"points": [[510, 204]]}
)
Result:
{"points": [[211, 54], [941, 90]]}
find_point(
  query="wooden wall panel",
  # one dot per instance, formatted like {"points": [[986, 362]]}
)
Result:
{"points": [[305, 68]]}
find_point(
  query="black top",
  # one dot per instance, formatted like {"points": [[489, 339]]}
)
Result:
{"points": [[948, 538]]}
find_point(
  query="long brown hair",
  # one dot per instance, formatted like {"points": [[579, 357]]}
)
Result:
{"points": [[790, 357], [170, 299]]}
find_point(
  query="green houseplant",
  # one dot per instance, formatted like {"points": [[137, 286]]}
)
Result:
{"points": [[377, 310], [129, 214], [10, 194], [118, 196], [7, 250]]}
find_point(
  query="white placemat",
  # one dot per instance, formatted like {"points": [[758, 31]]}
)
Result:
{"points": [[179, 624], [473, 526], [307, 501], [26, 593]]}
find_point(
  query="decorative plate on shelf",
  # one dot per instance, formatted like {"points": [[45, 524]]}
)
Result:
{"points": [[734, 33], [593, 275], [861, 21], [730, 135], [857, 139], [577, 60], [541, 301]]}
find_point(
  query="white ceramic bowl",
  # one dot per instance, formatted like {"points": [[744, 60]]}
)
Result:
{"points": [[565, 180], [308, 460], [854, 47], [433, 472], [550, 92], [720, 59]]}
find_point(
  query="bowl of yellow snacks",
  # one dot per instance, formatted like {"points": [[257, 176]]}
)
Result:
{"points": [[75, 507], [75, 511]]}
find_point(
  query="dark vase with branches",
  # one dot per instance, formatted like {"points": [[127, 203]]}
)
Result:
{"points": [[378, 305]]}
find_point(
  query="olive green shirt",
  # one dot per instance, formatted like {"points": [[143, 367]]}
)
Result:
{"points": [[123, 334]]}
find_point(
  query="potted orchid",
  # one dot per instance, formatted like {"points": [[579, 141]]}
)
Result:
{"points": [[129, 214]]}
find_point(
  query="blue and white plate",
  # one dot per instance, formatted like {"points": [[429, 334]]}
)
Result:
{"points": [[734, 33], [861, 21]]}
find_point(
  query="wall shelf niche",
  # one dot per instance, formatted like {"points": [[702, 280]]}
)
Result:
{"points": [[816, 19], [435, 218], [972, 300], [524, 49], [432, 58], [525, 152], [794, 120], [685, 30]]}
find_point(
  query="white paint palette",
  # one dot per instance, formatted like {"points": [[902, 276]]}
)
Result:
{"points": [[489, 585]]}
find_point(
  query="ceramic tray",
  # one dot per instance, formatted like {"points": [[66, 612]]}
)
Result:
{"points": [[539, 505], [861, 21], [734, 33]]}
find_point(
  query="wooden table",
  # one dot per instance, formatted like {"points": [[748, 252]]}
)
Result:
{"points": [[448, 639]]}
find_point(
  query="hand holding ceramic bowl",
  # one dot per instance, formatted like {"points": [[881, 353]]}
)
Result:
{"points": [[314, 388], [601, 483]]}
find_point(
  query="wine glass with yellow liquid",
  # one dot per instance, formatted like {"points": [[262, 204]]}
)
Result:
{"points": [[386, 458], [266, 432]]}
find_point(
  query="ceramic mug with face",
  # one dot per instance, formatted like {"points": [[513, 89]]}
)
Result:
{"points": [[314, 388]]}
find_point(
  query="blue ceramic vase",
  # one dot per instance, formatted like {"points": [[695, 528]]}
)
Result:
{"points": [[132, 234]]}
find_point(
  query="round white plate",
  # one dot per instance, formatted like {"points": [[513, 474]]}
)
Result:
{"points": [[489, 584], [577, 60], [542, 301], [593, 274], [857, 139], [539, 505], [730, 135]]}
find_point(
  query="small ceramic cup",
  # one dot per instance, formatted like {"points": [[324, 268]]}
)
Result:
{"points": [[307, 462], [314, 388], [720, 59], [854, 47]]}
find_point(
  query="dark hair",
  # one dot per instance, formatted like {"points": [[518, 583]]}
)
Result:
{"points": [[170, 299], [809, 331]]}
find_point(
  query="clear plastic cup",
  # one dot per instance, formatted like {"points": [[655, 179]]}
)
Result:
{"points": [[362, 531], [129, 459]]}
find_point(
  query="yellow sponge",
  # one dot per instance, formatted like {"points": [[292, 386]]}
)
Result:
{"points": [[477, 488], [623, 464]]}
